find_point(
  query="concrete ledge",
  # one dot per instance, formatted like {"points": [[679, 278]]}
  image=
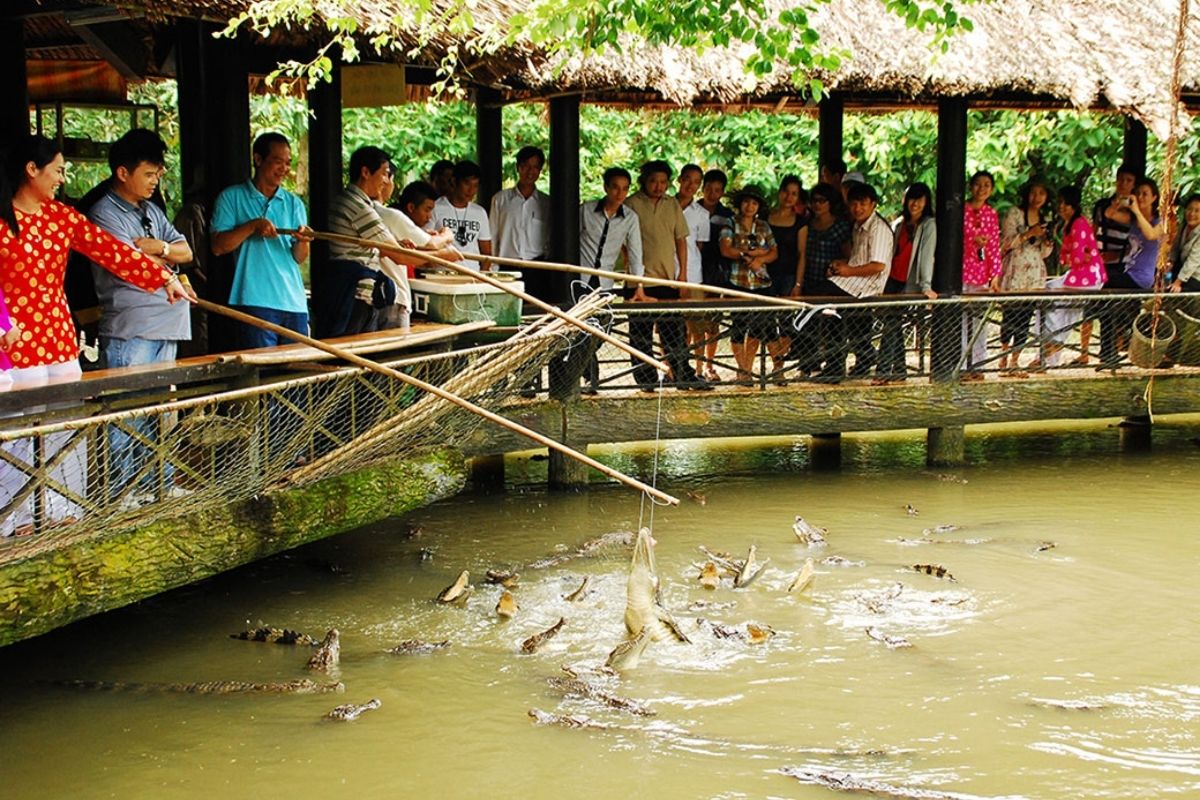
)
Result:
{"points": [[56, 586], [811, 409]]}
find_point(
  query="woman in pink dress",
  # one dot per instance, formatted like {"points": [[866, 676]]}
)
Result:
{"points": [[1080, 256], [981, 267]]}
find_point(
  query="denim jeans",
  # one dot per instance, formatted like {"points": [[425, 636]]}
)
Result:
{"points": [[127, 456], [251, 337]]}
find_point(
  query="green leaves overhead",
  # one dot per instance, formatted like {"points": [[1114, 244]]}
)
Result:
{"points": [[777, 38]]}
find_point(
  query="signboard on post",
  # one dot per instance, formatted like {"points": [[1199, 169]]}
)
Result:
{"points": [[373, 85]]}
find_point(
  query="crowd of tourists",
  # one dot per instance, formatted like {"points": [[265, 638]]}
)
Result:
{"points": [[826, 242], [829, 241]]}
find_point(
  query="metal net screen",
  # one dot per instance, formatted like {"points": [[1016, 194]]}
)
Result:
{"points": [[91, 475]]}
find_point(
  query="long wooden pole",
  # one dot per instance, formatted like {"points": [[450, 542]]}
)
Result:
{"points": [[627, 278], [358, 360], [387, 247]]}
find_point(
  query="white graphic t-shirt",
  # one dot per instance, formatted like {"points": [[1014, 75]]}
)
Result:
{"points": [[469, 226]]}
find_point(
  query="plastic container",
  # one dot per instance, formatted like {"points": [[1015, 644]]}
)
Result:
{"points": [[455, 301]]}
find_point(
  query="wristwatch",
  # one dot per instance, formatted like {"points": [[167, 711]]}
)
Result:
{"points": [[166, 251]]}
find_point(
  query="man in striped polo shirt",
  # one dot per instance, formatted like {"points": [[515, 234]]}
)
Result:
{"points": [[358, 284]]}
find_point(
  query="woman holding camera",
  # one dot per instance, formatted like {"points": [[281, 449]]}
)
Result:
{"points": [[1141, 263], [1080, 255], [1025, 244]]}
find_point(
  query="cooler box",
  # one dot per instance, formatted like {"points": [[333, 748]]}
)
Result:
{"points": [[454, 300]]}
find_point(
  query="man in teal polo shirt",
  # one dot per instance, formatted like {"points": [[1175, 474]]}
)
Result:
{"points": [[247, 218]]}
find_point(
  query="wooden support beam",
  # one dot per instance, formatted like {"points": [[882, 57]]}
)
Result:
{"points": [[565, 374], [117, 42], [1134, 434], [487, 472], [564, 193], [945, 446], [945, 344], [214, 138], [1134, 146], [825, 451], [830, 121], [325, 174], [489, 143], [14, 93]]}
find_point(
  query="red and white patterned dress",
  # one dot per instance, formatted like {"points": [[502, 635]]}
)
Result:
{"points": [[1080, 254], [32, 269], [983, 222]]}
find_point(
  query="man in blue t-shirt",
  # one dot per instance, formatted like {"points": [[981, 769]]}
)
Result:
{"points": [[248, 216]]}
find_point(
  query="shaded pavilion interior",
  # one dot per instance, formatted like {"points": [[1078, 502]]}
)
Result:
{"points": [[147, 39]]}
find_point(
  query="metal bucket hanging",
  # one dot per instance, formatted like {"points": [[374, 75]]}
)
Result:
{"points": [[1150, 341], [1188, 351]]}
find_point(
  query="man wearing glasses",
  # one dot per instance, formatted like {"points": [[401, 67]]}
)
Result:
{"points": [[138, 327]]}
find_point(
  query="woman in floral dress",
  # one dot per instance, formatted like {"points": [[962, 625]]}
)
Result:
{"points": [[37, 233]]}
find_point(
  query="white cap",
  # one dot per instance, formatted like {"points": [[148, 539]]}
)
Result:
{"points": [[854, 177]]}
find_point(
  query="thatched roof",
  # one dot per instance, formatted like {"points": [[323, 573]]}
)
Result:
{"points": [[1085, 53]]}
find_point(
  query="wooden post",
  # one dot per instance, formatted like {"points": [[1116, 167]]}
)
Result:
{"points": [[489, 143], [1134, 150], [1134, 434], [825, 451], [945, 447], [487, 472], [325, 174], [565, 374], [14, 84], [945, 345], [214, 140], [564, 193], [831, 113]]}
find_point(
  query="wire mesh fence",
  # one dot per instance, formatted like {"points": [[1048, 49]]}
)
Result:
{"points": [[95, 474], [894, 339], [88, 475]]}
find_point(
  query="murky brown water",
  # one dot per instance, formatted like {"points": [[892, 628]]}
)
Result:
{"points": [[1106, 619]]}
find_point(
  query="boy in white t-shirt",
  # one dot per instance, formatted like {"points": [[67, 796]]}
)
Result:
{"points": [[465, 218]]}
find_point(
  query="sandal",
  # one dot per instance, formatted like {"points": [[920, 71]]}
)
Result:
{"points": [[711, 376], [1082, 361]]}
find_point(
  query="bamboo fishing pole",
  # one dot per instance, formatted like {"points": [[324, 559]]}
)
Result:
{"points": [[433, 389], [554, 266], [388, 247]]}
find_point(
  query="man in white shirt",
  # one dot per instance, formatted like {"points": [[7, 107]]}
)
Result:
{"points": [[863, 275], [699, 223], [462, 215], [520, 221], [606, 229], [406, 225]]}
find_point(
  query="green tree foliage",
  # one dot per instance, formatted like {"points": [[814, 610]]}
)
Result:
{"points": [[892, 149], [779, 36]]}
